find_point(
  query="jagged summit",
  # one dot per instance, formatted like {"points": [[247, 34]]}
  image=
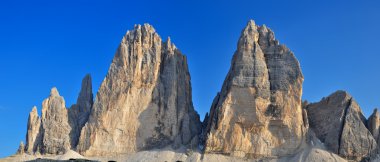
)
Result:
{"points": [[34, 110], [58, 128], [169, 46], [254, 115], [145, 100], [143, 110], [54, 92], [341, 93]]}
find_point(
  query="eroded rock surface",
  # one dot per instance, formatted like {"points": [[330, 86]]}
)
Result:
{"points": [[145, 100], [258, 111], [58, 129], [340, 124]]}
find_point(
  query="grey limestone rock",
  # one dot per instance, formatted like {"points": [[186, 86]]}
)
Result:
{"points": [[340, 124]]}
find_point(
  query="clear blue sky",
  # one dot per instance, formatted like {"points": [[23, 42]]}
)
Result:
{"points": [[49, 43]]}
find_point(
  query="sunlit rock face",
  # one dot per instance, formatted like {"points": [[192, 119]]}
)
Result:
{"points": [[339, 123], [145, 100], [57, 130], [258, 111]]}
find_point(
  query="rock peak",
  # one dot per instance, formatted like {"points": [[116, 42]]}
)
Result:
{"points": [[335, 118], [34, 111], [143, 62], [170, 46], [145, 27], [168, 41], [54, 92], [87, 77], [251, 23], [375, 111], [340, 94], [86, 85], [250, 27]]}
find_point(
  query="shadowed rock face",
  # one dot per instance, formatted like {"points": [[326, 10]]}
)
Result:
{"points": [[145, 100], [258, 111], [340, 124], [80, 112]]}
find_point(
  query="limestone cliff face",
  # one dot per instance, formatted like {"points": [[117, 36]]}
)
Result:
{"points": [[258, 111], [340, 124], [58, 129], [145, 100]]}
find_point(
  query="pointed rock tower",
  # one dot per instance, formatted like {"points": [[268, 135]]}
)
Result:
{"points": [[33, 128], [55, 126], [258, 111], [145, 100]]}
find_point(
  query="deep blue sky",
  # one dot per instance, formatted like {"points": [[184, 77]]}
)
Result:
{"points": [[50, 43]]}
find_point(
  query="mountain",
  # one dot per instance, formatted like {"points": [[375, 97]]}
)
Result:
{"points": [[258, 111], [340, 124], [143, 111], [145, 100]]}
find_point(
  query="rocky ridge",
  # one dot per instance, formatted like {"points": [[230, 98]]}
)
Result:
{"points": [[374, 124], [143, 110]]}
